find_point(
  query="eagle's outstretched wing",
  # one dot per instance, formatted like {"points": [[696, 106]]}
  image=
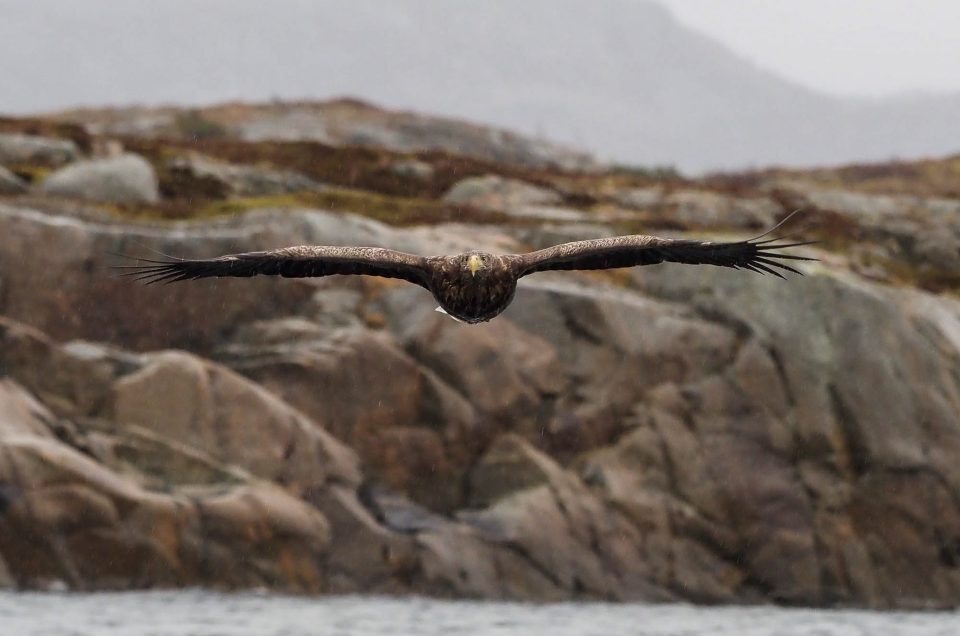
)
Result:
{"points": [[291, 262], [627, 251]]}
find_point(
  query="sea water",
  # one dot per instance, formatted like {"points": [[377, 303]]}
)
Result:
{"points": [[203, 613]]}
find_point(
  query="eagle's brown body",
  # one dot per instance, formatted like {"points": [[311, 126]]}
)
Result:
{"points": [[473, 296], [476, 286]]}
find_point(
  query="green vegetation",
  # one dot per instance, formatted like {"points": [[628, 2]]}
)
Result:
{"points": [[30, 173], [193, 124], [655, 173], [398, 211]]}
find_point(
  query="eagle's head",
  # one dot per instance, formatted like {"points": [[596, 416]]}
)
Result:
{"points": [[476, 263]]}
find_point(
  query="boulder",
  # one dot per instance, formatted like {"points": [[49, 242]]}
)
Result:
{"points": [[240, 180], [212, 409], [74, 379], [126, 178], [17, 149], [499, 193], [65, 520], [413, 169]]}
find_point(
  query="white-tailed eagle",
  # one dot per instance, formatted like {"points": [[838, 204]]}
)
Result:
{"points": [[477, 286]]}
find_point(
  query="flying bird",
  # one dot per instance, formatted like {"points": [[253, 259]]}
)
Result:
{"points": [[476, 286]]}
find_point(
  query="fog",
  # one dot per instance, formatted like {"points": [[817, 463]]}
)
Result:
{"points": [[716, 86], [856, 47]]}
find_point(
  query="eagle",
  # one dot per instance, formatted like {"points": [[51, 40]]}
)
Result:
{"points": [[477, 286]]}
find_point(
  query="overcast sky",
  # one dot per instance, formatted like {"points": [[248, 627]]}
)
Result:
{"points": [[53, 50], [845, 47]]}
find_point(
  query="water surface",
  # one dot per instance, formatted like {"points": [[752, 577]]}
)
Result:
{"points": [[202, 613]]}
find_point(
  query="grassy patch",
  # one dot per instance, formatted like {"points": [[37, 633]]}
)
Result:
{"points": [[191, 123], [398, 211], [30, 173], [648, 173]]}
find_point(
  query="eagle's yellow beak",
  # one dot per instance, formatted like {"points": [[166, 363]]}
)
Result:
{"points": [[474, 263]]}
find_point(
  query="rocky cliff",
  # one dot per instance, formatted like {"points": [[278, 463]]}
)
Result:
{"points": [[664, 433]]}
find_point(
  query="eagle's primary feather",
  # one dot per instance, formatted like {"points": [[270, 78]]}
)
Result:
{"points": [[475, 287]]}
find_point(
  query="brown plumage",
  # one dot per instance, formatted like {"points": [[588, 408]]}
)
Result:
{"points": [[476, 286]]}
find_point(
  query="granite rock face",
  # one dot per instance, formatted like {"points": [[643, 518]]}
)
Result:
{"points": [[66, 518], [84, 298], [497, 193], [667, 433]]}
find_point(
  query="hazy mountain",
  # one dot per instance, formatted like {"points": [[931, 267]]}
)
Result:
{"points": [[622, 78]]}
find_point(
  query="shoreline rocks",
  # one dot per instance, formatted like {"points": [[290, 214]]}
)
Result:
{"points": [[668, 433]]}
